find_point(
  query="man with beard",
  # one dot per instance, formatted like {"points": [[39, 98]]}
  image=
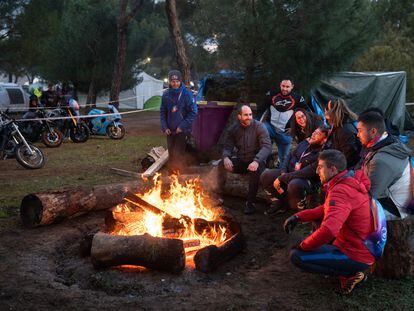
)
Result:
{"points": [[291, 184], [386, 162], [253, 146], [281, 107]]}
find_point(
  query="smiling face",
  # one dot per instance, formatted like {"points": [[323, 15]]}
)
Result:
{"points": [[318, 137], [300, 118], [245, 116], [286, 87]]}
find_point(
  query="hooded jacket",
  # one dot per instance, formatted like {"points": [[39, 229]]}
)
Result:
{"points": [[386, 165], [178, 109], [252, 143], [346, 217]]}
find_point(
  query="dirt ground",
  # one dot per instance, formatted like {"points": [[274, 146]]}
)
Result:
{"points": [[42, 269]]}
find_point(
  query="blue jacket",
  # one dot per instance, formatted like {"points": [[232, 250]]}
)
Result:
{"points": [[178, 109]]}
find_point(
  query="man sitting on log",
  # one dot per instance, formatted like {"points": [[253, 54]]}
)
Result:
{"points": [[346, 220], [386, 162], [252, 142], [291, 184]]}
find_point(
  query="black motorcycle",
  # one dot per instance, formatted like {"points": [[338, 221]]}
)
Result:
{"points": [[13, 144], [44, 130], [71, 126]]}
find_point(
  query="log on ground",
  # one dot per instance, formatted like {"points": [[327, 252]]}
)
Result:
{"points": [[47, 207], [398, 258], [140, 250]]}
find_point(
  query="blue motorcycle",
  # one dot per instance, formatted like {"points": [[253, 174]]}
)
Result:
{"points": [[106, 125]]}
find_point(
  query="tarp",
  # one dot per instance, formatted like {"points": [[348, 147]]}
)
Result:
{"points": [[362, 90]]}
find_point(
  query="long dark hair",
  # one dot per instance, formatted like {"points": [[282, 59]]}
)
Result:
{"points": [[312, 123]]}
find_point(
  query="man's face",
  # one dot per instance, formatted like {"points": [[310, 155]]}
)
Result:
{"points": [[245, 116], [325, 173], [286, 87], [317, 138], [365, 134], [175, 84]]}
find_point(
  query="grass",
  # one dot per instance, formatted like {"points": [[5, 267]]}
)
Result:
{"points": [[72, 165]]}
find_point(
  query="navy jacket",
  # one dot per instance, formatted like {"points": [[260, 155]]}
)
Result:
{"points": [[178, 109]]}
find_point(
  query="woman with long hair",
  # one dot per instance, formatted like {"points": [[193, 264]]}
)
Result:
{"points": [[303, 124], [343, 136]]}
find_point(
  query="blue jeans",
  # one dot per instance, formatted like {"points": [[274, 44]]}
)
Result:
{"points": [[326, 260], [282, 140]]}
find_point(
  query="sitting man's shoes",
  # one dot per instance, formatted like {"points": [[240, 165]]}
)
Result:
{"points": [[275, 208], [249, 208], [348, 284]]}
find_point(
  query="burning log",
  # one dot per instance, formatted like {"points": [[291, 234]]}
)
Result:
{"points": [[44, 208], [210, 257], [140, 250]]}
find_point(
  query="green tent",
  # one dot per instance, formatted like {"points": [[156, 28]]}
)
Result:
{"points": [[362, 90]]}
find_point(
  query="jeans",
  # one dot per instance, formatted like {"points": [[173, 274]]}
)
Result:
{"points": [[283, 142], [240, 167], [176, 151], [296, 191], [326, 260]]}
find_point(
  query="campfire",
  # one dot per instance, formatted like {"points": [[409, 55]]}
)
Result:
{"points": [[167, 230]]}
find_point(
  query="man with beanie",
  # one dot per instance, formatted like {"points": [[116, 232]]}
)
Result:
{"points": [[177, 113]]}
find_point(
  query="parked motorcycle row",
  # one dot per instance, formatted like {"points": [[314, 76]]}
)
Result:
{"points": [[17, 137]]}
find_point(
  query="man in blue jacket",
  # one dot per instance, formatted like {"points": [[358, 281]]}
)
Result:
{"points": [[177, 113]]}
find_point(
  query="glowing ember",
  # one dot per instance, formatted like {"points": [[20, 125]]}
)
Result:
{"points": [[184, 206]]}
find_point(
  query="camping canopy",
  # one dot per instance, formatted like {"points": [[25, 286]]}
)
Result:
{"points": [[362, 90]]}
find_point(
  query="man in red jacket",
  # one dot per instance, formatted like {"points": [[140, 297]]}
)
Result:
{"points": [[337, 247]]}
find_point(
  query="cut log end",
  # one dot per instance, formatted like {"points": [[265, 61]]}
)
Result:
{"points": [[31, 210]]}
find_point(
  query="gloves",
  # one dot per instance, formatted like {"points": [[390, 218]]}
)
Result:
{"points": [[290, 224]]}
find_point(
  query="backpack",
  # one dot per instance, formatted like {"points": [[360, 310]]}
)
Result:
{"points": [[376, 240]]}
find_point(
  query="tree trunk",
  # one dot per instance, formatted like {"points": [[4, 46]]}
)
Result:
{"points": [[91, 98], [177, 39], [122, 28], [44, 208], [398, 258], [140, 250]]}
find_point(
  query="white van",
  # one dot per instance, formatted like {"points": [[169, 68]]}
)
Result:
{"points": [[13, 97]]}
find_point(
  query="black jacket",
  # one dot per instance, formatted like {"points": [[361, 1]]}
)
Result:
{"points": [[251, 143]]}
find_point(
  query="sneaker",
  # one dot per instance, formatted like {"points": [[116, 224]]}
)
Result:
{"points": [[275, 208], [249, 208], [348, 284]]}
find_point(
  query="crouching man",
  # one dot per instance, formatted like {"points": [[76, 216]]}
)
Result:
{"points": [[252, 142], [346, 220]]}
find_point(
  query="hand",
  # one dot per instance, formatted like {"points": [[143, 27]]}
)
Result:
{"points": [[290, 224], [228, 164], [178, 130], [253, 166], [276, 185], [167, 131]]}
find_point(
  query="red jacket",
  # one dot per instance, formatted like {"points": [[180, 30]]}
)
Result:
{"points": [[346, 217]]}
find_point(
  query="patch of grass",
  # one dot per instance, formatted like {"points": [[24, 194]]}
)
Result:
{"points": [[71, 165], [153, 102]]}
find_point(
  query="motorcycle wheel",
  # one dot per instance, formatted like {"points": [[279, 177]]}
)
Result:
{"points": [[25, 159], [52, 138], [115, 132], [79, 134]]}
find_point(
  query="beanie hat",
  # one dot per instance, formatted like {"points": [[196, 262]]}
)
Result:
{"points": [[174, 75]]}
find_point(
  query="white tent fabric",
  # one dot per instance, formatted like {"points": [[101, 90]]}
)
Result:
{"points": [[148, 87]]}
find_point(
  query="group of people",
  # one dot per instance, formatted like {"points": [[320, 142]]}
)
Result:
{"points": [[350, 160]]}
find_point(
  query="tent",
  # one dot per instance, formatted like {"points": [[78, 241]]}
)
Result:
{"points": [[362, 90], [147, 88]]}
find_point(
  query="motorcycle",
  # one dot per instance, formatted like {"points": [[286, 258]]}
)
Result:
{"points": [[13, 144], [44, 130], [106, 125], [73, 127]]}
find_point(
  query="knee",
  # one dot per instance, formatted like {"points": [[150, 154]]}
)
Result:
{"points": [[295, 258], [296, 185], [266, 179]]}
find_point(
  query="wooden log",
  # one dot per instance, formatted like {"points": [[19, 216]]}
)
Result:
{"points": [[140, 250], [398, 258], [157, 165], [210, 257], [47, 207]]}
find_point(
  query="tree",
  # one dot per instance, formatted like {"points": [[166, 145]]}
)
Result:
{"points": [[177, 39], [122, 30]]}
